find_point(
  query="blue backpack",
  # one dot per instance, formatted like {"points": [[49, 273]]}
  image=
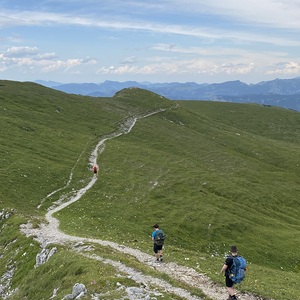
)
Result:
{"points": [[159, 237], [238, 268]]}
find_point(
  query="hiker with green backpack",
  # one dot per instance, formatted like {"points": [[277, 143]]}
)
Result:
{"points": [[234, 269], [158, 238]]}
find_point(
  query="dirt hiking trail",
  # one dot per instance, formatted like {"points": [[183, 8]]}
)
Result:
{"points": [[51, 234]]}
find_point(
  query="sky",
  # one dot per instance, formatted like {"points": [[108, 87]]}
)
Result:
{"points": [[156, 41]]}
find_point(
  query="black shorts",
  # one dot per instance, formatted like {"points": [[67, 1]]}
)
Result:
{"points": [[157, 248], [229, 283]]}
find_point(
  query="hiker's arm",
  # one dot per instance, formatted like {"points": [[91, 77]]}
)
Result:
{"points": [[153, 236], [224, 268]]}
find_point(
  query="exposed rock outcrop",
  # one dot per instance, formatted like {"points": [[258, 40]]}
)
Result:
{"points": [[78, 291], [44, 256]]}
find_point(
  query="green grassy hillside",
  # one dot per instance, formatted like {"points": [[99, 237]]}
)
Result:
{"points": [[211, 174]]}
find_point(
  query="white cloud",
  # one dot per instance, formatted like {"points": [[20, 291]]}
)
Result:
{"points": [[191, 37], [129, 60], [181, 67], [30, 58], [251, 13], [21, 51], [89, 61], [47, 66], [11, 39], [275, 13], [285, 68], [237, 68], [46, 56]]}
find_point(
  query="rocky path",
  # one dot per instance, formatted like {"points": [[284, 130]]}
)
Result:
{"points": [[51, 234]]}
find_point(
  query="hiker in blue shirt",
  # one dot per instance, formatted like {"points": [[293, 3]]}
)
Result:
{"points": [[158, 238], [226, 270]]}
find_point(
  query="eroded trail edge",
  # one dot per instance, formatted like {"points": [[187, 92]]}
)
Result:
{"points": [[50, 233]]}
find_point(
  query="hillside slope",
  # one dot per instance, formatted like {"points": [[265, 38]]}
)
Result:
{"points": [[211, 174]]}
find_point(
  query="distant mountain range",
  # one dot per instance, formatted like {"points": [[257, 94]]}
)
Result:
{"points": [[279, 92]]}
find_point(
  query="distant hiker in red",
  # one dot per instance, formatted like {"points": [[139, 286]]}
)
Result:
{"points": [[95, 170]]}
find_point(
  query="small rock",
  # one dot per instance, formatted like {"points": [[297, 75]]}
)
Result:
{"points": [[79, 290]]}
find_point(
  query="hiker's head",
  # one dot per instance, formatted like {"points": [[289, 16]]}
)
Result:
{"points": [[155, 226], [233, 249]]}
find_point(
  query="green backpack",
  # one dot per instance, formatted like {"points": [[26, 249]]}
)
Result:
{"points": [[159, 237]]}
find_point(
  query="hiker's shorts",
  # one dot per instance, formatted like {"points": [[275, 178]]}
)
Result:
{"points": [[229, 283], [156, 247]]}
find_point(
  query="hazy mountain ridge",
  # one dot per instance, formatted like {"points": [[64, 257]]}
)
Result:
{"points": [[265, 92]]}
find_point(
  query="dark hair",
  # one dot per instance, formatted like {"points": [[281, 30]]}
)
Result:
{"points": [[233, 249], [155, 226]]}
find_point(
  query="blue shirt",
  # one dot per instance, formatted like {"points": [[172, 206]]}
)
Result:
{"points": [[154, 234]]}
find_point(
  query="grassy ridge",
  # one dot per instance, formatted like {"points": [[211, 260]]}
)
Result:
{"points": [[211, 174], [209, 184], [205, 174], [43, 134]]}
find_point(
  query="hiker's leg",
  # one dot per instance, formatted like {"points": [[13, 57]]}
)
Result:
{"points": [[230, 291], [160, 255], [230, 286], [156, 252], [159, 251]]}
